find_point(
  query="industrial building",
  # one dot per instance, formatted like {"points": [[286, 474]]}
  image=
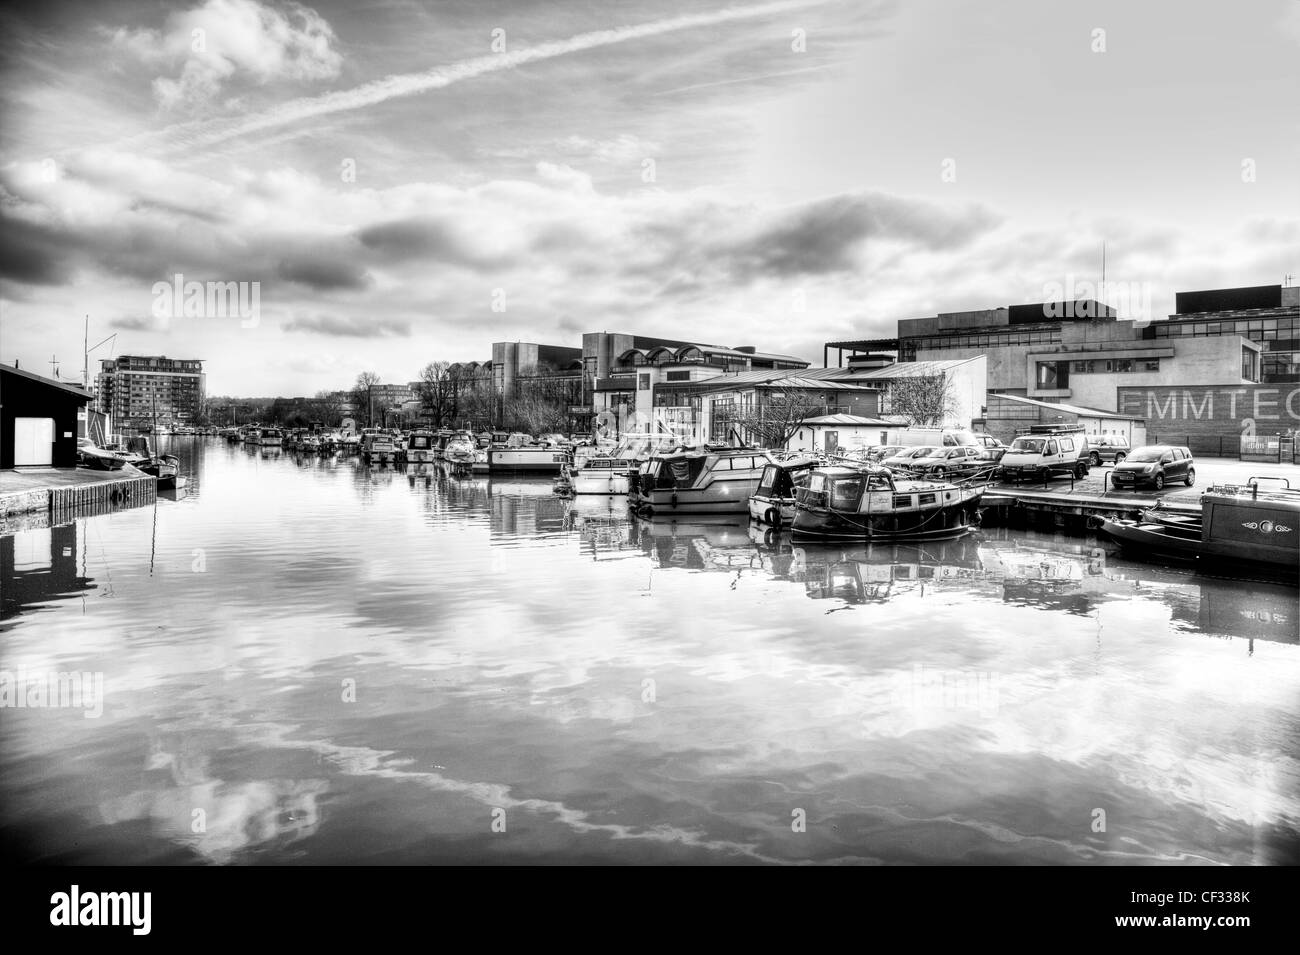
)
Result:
{"points": [[1226, 364]]}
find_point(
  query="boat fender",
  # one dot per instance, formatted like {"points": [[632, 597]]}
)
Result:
{"points": [[1095, 521], [647, 511], [673, 500], [773, 517]]}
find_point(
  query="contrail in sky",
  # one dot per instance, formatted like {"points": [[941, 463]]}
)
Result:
{"points": [[203, 133]]}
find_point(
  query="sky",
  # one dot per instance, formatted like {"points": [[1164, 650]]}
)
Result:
{"points": [[393, 183]]}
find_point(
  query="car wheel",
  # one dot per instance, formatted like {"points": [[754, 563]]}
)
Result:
{"points": [[1119, 457], [1160, 482], [1094, 459], [1191, 476]]}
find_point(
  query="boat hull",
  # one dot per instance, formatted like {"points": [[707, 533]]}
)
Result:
{"points": [[526, 461], [1151, 539], [942, 522], [718, 497], [763, 508]]}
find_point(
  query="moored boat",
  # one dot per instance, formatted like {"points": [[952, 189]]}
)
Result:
{"points": [[594, 472], [1237, 525], [865, 502], [774, 500], [520, 455], [420, 447], [377, 446], [707, 479]]}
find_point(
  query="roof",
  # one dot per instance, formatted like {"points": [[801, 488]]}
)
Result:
{"points": [[847, 420], [41, 379], [912, 369], [823, 379], [865, 344], [1069, 409]]}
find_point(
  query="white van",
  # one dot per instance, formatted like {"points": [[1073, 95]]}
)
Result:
{"points": [[933, 437], [1040, 455]]}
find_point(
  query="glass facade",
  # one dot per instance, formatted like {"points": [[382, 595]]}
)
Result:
{"points": [[1278, 336], [998, 337]]}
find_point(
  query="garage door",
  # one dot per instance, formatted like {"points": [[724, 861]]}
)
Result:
{"points": [[33, 442]]}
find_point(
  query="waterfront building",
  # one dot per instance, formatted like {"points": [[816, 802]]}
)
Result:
{"points": [[1225, 365], [385, 401], [621, 372], [137, 389], [40, 420]]}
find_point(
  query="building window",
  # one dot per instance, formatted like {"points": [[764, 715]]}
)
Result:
{"points": [[678, 376], [643, 382], [1249, 364]]}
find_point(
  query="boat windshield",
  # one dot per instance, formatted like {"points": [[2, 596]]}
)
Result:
{"points": [[846, 492], [1145, 455], [1028, 445]]}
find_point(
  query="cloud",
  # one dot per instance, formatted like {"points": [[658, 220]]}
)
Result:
{"points": [[222, 39], [349, 326], [187, 136]]}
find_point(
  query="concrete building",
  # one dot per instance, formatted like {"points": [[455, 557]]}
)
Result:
{"points": [[40, 420], [135, 390], [1226, 364]]}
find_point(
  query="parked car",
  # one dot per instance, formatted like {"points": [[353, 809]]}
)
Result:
{"points": [[905, 457], [1108, 448], [991, 448], [950, 462], [1044, 454], [1157, 465], [885, 451]]}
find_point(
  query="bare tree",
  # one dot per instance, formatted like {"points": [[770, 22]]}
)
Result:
{"points": [[535, 414], [776, 414], [439, 393], [361, 394], [925, 400]]}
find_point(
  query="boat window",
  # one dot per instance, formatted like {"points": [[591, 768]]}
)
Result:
{"points": [[846, 492], [817, 482], [902, 500], [925, 499], [767, 484]]}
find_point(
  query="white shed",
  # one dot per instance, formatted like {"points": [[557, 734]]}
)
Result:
{"points": [[833, 432]]}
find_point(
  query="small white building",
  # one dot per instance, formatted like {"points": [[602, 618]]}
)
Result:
{"points": [[839, 432]]}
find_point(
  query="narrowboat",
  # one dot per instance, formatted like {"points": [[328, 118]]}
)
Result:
{"points": [[865, 502], [773, 503], [1236, 524], [707, 479]]}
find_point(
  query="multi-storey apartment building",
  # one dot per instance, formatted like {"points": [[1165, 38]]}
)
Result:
{"points": [[139, 390]]}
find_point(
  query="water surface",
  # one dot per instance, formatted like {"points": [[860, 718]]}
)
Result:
{"points": [[305, 660]]}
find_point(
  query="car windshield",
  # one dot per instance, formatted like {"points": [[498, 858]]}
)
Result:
{"points": [[920, 453], [1034, 445], [1146, 455]]}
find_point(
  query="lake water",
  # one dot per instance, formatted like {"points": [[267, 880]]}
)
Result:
{"points": [[307, 661]]}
